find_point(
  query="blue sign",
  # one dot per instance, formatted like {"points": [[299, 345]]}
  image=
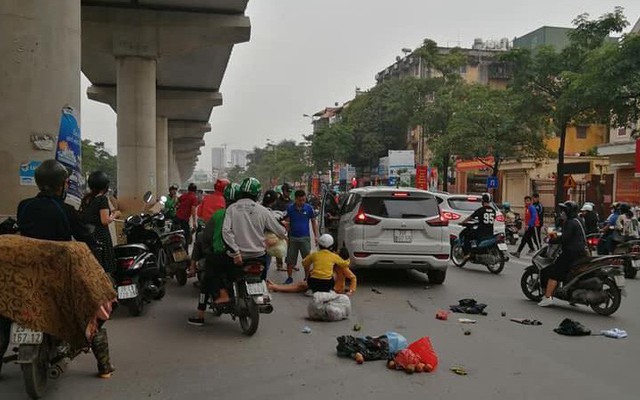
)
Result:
{"points": [[393, 181], [492, 182], [69, 153], [27, 173]]}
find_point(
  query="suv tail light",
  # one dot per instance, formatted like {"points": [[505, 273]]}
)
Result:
{"points": [[451, 216], [363, 219], [440, 220]]}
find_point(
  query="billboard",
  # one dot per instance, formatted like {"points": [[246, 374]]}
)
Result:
{"points": [[69, 154]]}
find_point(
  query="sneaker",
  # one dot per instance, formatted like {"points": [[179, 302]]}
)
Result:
{"points": [[515, 254], [546, 302], [289, 281], [195, 321]]}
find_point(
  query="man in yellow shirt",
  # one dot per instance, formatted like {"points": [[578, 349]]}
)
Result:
{"points": [[321, 277]]}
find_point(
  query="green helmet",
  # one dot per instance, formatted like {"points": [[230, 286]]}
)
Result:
{"points": [[232, 192], [251, 186]]}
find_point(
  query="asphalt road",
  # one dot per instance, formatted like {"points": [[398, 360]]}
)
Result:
{"points": [[159, 356]]}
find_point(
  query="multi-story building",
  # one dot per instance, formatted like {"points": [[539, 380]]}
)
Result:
{"points": [[239, 158], [326, 117], [218, 158]]}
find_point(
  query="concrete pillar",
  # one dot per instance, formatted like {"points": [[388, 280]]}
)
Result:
{"points": [[173, 169], [136, 99], [40, 74], [162, 155]]}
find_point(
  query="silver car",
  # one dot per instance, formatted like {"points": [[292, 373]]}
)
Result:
{"points": [[457, 207], [390, 228]]}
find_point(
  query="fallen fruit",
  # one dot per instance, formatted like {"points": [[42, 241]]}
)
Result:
{"points": [[359, 358], [357, 328], [420, 367], [428, 367], [391, 364], [410, 369]]}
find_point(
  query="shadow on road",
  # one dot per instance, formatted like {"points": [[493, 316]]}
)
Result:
{"points": [[391, 278]]}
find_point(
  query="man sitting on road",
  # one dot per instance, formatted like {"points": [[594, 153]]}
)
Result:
{"points": [[486, 217]]}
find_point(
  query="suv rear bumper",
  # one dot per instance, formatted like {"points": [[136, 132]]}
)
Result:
{"points": [[400, 261]]}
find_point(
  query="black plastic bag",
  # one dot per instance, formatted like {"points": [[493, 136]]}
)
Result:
{"points": [[371, 348], [569, 327]]}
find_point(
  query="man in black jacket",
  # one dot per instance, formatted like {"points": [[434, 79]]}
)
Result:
{"points": [[590, 218], [574, 244], [48, 217]]}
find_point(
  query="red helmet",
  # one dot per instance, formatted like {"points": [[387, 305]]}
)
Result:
{"points": [[221, 183]]}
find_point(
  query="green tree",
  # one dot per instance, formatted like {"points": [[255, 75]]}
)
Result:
{"points": [[285, 161], [96, 158], [554, 81], [236, 174]]}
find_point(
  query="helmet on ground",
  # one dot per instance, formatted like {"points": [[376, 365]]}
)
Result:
{"points": [[570, 208], [51, 176], [586, 207], [98, 181], [486, 198], [221, 184], [325, 241], [251, 186], [506, 205], [231, 192]]}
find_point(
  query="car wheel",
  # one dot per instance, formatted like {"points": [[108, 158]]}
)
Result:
{"points": [[436, 277]]}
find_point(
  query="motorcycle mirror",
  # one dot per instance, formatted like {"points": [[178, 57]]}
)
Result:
{"points": [[147, 197]]}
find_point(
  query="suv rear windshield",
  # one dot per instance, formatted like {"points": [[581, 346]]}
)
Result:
{"points": [[466, 204], [400, 207]]}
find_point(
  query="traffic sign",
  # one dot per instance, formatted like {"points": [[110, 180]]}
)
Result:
{"points": [[492, 182]]}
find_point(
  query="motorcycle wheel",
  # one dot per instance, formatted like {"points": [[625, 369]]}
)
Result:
{"points": [[497, 268], [35, 373], [530, 285], [136, 306], [181, 275], [629, 271], [163, 261], [614, 298], [457, 255], [249, 317]]}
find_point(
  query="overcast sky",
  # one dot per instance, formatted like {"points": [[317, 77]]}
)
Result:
{"points": [[305, 55]]}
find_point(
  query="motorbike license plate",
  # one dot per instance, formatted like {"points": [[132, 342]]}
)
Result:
{"points": [[402, 236], [635, 263], [256, 289], [127, 292], [619, 280], [179, 255], [502, 246], [22, 335]]}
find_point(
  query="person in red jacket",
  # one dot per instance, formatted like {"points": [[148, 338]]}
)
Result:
{"points": [[214, 201], [186, 211]]}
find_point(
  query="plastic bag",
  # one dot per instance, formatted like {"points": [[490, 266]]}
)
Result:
{"points": [[396, 341], [276, 247], [424, 349], [329, 306], [371, 348], [406, 357]]}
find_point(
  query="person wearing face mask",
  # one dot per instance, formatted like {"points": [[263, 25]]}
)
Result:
{"points": [[574, 247]]}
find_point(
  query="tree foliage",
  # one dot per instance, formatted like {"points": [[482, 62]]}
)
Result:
{"points": [[96, 158], [286, 161]]}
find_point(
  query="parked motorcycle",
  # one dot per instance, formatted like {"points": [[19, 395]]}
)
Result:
{"points": [[491, 252], [249, 297], [40, 356], [597, 282], [630, 250], [512, 230]]}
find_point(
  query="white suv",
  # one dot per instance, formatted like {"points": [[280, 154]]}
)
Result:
{"points": [[390, 228]]}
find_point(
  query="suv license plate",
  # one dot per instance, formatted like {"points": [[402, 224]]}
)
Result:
{"points": [[127, 292], [619, 280], [402, 236], [256, 289], [22, 335]]}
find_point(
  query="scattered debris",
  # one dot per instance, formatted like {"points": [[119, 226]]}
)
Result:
{"points": [[376, 291], [396, 342], [458, 370], [569, 327], [614, 333], [469, 306], [525, 321], [442, 315], [504, 314], [306, 329], [371, 348], [466, 321], [359, 358], [467, 332], [414, 308], [357, 328]]}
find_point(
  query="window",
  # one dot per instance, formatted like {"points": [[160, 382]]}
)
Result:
{"points": [[406, 208], [581, 132], [622, 131]]}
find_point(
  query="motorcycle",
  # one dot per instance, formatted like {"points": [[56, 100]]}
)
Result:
{"points": [[597, 282], [40, 356], [491, 252], [249, 297], [630, 250], [138, 276], [512, 230]]}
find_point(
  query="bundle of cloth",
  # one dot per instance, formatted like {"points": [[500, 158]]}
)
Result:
{"points": [[54, 287]]}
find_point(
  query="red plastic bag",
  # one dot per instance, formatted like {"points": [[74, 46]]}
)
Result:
{"points": [[406, 357], [424, 350]]}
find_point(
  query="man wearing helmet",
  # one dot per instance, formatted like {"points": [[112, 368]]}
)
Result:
{"points": [[574, 247], [590, 218], [486, 216], [214, 201], [609, 231], [627, 223], [245, 222], [48, 217]]}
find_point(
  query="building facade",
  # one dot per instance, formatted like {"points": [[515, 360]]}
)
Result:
{"points": [[218, 159], [239, 158]]}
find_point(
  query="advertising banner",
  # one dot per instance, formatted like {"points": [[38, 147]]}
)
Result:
{"points": [[422, 177], [69, 154], [27, 173]]}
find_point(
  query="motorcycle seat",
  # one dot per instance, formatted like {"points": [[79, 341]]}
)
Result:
{"points": [[487, 242]]}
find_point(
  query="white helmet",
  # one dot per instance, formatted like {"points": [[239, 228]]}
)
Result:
{"points": [[587, 207], [325, 241]]}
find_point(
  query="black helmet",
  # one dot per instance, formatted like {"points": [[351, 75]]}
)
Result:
{"points": [[192, 187], [570, 208], [486, 197], [269, 197], [51, 176], [624, 208], [98, 181]]}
